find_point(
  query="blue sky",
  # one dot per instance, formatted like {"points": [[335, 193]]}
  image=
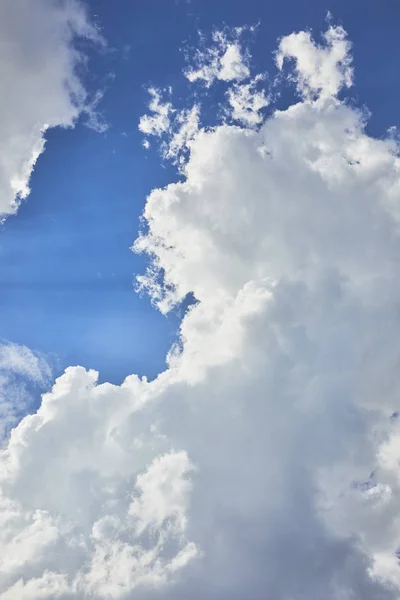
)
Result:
{"points": [[67, 271]]}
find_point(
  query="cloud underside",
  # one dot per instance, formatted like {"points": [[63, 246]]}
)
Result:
{"points": [[263, 463]]}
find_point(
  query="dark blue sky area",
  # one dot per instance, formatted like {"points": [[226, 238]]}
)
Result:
{"points": [[66, 270]]}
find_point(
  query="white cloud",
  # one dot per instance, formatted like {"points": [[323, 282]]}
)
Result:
{"points": [[224, 60], [243, 470], [288, 238], [246, 102], [320, 70], [186, 126], [163, 494], [159, 121], [102, 512], [40, 85], [176, 128]]}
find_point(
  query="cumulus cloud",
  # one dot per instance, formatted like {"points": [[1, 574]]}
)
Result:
{"points": [[263, 462], [40, 84], [322, 70], [107, 513]]}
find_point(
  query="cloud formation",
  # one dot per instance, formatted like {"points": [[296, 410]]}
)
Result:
{"points": [[263, 462], [320, 70], [223, 60], [40, 84]]}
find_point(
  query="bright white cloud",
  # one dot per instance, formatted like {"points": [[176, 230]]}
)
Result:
{"points": [[243, 470], [159, 121], [320, 70], [40, 85], [224, 60]]}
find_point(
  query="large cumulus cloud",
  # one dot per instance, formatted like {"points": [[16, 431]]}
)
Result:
{"points": [[263, 463]]}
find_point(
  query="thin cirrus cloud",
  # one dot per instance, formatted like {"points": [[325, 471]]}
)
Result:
{"points": [[20, 369], [263, 461]]}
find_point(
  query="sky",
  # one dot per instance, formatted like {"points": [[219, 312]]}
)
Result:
{"points": [[199, 293]]}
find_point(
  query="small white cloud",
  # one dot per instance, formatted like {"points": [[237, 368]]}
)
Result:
{"points": [[224, 60], [320, 70], [176, 128], [158, 122]]}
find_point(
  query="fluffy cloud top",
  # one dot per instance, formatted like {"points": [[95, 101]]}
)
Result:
{"points": [[264, 461], [40, 85]]}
